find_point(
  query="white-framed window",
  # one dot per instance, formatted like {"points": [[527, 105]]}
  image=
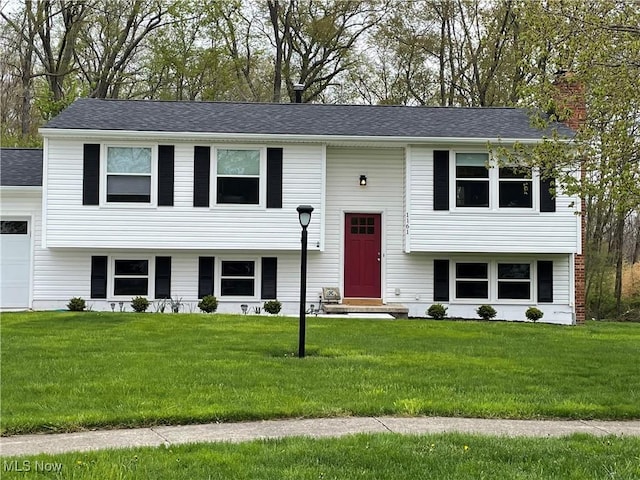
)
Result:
{"points": [[239, 173], [480, 184], [472, 179], [493, 280], [237, 278], [131, 277], [514, 281], [129, 174], [472, 280], [515, 187]]}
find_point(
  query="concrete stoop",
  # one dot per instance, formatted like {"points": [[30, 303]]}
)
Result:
{"points": [[396, 310]]}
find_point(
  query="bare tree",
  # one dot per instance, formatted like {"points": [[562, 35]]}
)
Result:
{"points": [[315, 40], [110, 42]]}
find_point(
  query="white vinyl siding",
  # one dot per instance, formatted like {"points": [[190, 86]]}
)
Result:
{"points": [[483, 230], [252, 227], [383, 194], [62, 274]]}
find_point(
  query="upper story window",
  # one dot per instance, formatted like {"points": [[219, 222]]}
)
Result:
{"points": [[238, 176], [472, 180], [129, 172], [479, 183], [515, 188]]}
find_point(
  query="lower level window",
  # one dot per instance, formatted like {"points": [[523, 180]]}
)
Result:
{"points": [[131, 277], [238, 278], [472, 280], [514, 280]]}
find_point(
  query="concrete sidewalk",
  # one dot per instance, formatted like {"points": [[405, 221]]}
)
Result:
{"points": [[317, 428]]}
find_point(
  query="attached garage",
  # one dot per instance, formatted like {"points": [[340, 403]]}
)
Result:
{"points": [[21, 200], [15, 263]]}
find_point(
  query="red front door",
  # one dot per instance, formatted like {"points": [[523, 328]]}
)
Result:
{"points": [[362, 255]]}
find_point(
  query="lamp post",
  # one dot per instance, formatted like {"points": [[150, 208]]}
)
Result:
{"points": [[304, 215]]}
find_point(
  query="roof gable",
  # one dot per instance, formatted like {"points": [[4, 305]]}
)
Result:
{"points": [[20, 167], [300, 119]]}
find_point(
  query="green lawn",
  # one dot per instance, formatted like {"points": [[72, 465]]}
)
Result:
{"points": [[66, 371], [387, 456]]}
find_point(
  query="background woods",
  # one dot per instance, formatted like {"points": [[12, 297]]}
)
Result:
{"points": [[440, 53]]}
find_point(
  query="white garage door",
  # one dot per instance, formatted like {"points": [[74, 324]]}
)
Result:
{"points": [[15, 263]]}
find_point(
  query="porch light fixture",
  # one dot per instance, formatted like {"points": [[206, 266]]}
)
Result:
{"points": [[304, 216], [363, 180]]}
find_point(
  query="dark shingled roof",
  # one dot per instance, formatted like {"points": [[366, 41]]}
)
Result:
{"points": [[20, 167], [300, 119]]}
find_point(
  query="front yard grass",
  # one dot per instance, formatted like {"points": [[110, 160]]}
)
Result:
{"points": [[66, 371], [388, 456]]}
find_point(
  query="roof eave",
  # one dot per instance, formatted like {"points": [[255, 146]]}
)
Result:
{"points": [[287, 138]]}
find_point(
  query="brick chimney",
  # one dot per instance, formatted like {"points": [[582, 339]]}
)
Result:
{"points": [[570, 96]]}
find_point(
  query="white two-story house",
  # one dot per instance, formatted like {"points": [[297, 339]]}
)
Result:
{"points": [[184, 199]]}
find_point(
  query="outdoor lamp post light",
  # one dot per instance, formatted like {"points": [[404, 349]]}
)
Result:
{"points": [[304, 215]]}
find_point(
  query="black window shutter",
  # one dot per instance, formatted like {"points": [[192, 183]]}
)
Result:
{"points": [[163, 277], [269, 278], [91, 174], [545, 281], [441, 180], [98, 277], [274, 177], [165, 174], [201, 172], [205, 276], [441, 280], [547, 199]]}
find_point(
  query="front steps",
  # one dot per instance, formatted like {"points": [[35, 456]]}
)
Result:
{"points": [[396, 310]]}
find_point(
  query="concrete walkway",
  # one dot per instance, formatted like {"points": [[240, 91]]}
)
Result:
{"points": [[317, 428]]}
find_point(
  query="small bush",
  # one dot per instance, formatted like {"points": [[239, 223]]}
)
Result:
{"points": [[273, 307], [534, 314], [437, 311], [76, 304], [140, 304], [486, 312], [208, 304]]}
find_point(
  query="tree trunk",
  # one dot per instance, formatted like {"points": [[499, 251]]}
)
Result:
{"points": [[274, 6], [619, 253]]}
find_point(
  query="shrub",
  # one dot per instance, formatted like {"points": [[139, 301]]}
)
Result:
{"points": [[273, 307], [486, 312], [76, 304], [140, 304], [534, 314], [208, 304], [437, 311]]}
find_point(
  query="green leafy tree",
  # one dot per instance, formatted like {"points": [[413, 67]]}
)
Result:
{"points": [[598, 44]]}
